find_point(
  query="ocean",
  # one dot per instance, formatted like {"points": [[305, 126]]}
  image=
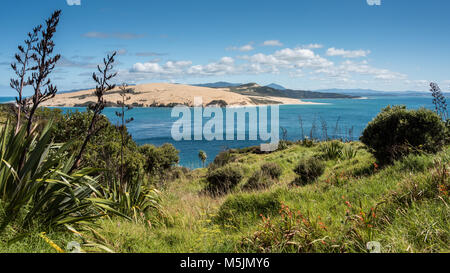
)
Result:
{"points": [[344, 118], [7, 99]]}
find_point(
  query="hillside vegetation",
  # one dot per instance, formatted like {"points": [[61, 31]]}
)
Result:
{"points": [[253, 89], [404, 206]]}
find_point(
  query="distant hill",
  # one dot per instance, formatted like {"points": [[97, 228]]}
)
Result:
{"points": [[370, 92], [217, 84], [253, 89], [276, 86]]}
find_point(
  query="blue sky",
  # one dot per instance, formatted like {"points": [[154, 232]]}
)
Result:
{"points": [[308, 44]]}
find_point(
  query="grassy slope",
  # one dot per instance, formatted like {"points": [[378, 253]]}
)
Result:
{"points": [[415, 219]]}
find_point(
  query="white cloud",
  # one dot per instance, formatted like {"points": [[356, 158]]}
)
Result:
{"points": [[294, 54], [223, 67], [302, 58], [179, 69], [347, 53], [272, 43], [243, 48], [347, 68], [295, 62], [73, 2], [313, 46], [169, 68]]}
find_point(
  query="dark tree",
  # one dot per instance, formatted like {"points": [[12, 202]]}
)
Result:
{"points": [[44, 64], [124, 91], [439, 101], [202, 156], [21, 66], [103, 86]]}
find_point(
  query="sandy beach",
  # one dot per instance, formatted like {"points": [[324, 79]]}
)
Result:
{"points": [[166, 94]]}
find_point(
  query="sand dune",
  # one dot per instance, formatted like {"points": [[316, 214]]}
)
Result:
{"points": [[166, 94]]}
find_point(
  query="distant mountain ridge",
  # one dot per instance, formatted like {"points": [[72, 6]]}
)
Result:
{"points": [[370, 92], [276, 86], [217, 84], [273, 90], [253, 89]]}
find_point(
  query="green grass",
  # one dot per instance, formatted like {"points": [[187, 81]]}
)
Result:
{"points": [[411, 213]]}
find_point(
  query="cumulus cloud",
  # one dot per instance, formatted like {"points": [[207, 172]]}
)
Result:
{"points": [[272, 43], [295, 62], [169, 68], [289, 58], [73, 2], [348, 68], [347, 53], [225, 66]]}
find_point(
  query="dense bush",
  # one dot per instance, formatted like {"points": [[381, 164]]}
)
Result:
{"points": [[259, 180], [308, 170], [104, 148], [332, 149], [396, 132], [222, 159], [272, 169], [159, 159], [223, 179]]}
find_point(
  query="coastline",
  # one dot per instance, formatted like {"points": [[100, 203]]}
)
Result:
{"points": [[170, 95], [191, 106]]}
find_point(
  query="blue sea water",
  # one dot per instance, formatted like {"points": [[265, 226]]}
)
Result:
{"points": [[153, 125], [7, 99]]}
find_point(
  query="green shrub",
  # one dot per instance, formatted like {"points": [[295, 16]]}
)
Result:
{"points": [[132, 199], [259, 180], [37, 188], [103, 151], [348, 152], [223, 179], [332, 149], [308, 170], [396, 132], [222, 159], [272, 169], [158, 160]]}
